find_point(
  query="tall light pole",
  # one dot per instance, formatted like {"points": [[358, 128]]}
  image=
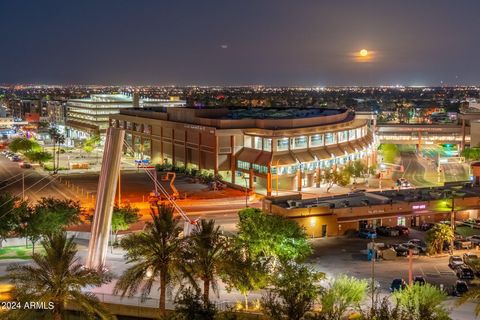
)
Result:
{"points": [[374, 256]]}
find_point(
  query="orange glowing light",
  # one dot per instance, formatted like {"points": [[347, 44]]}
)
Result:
{"points": [[364, 52]]}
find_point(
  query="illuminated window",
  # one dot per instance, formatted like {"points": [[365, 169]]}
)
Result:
{"points": [[267, 144], [351, 135], [282, 144], [243, 165], [299, 142], [257, 143], [316, 140], [330, 138], [342, 136], [359, 133]]}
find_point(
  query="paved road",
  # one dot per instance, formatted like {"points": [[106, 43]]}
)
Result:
{"points": [[422, 171], [37, 184]]}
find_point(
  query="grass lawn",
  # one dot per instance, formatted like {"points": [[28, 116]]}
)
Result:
{"points": [[467, 231], [18, 252]]}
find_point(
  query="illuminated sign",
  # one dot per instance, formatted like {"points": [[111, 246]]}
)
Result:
{"points": [[419, 206]]}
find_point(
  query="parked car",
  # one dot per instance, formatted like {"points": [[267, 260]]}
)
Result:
{"points": [[16, 159], [11, 155], [464, 272], [420, 280], [455, 261], [404, 231], [387, 231], [25, 165], [426, 226], [415, 250], [403, 183], [459, 288], [398, 284], [469, 258], [474, 239], [400, 250], [419, 244], [462, 244], [367, 233]]}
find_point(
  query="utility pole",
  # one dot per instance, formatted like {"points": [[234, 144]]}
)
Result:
{"points": [[410, 266], [374, 256], [452, 221]]}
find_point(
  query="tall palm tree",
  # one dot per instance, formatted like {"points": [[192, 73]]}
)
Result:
{"points": [[56, 278], [60, 140], [54, 136], [156, 253], [205, 256]]}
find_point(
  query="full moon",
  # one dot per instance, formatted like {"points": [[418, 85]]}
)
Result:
{"points": [[364, 52]]}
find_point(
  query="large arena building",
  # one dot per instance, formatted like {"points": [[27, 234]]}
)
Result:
{"points": [[265, 149]]}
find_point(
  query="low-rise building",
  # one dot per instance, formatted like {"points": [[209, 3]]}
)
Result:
{"points": [[337, 215], [264, 149]]}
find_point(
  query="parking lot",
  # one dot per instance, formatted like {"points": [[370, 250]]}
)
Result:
{"points": [[348, 255]]}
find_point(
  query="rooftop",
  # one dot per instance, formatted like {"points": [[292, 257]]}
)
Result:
{"points": [[363, 199], [280, 113]]}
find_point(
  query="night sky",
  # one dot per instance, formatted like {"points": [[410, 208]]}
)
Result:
{"points": [[227, 42]]}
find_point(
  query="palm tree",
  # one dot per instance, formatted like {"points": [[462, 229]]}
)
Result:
{"points": [[156, 253], [56, 278], [60, 140], [205, 256], [54, 136]]}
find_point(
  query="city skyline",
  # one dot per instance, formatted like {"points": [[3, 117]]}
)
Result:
{"points": [[215, 43]]}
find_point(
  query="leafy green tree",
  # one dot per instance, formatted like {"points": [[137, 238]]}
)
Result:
{"points": [[422, 302], [242, 271], [270, 236], [123, 217], [38, 156], [155, 254], [91, 143], [57, 139], [471, 154], [58, 278], [389, 152], [438, 235], [24, 145], [205, 256], [12, 209], [356, 169], [295, 290], [47, 217], [342, 294], [189, 306], [340, 178]]}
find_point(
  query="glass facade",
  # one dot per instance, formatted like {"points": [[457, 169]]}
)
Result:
{"points": [[342, 136], [257, 143], [330, 138], [299, 142], [316, 140], [267, 144], [282, 144]]}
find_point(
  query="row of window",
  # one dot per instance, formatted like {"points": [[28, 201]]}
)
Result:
{"points": [[309, 166], [303, 142]]}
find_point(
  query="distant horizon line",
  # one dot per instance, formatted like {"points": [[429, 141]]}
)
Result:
{"points": [[318, 87]]}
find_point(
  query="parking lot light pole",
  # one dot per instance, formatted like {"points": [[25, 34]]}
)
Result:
{"points": [[374, 254]]}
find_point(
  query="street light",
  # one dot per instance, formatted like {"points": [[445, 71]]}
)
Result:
{"points": [[453, 195]]}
